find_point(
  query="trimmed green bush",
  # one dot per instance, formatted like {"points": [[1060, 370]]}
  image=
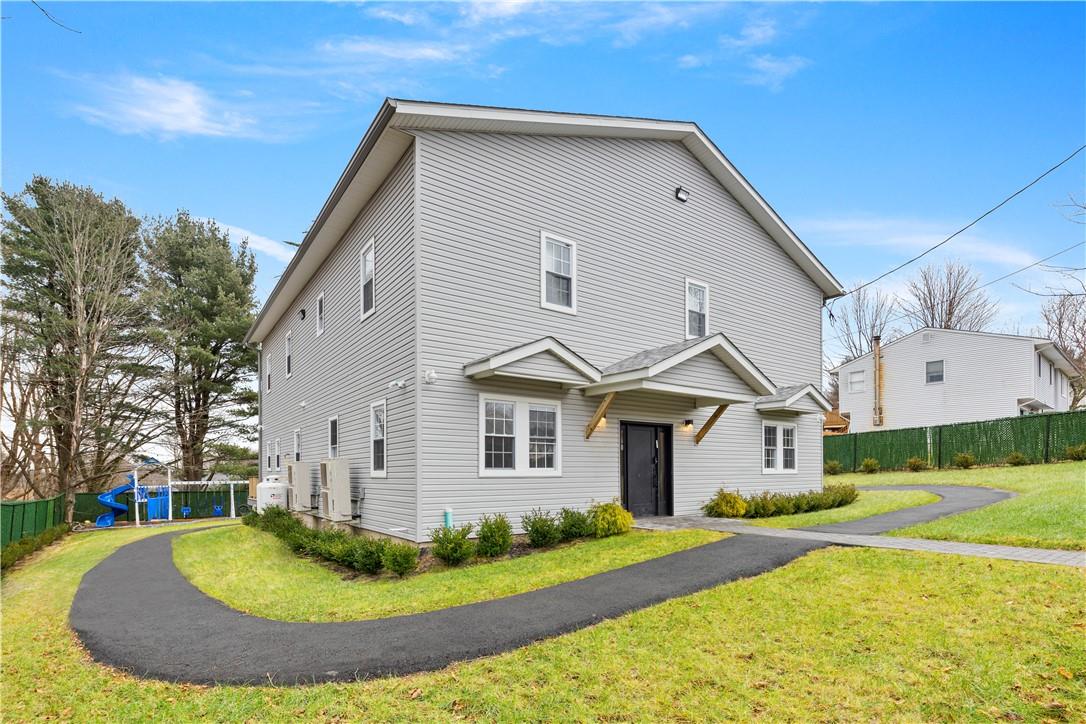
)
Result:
{"points": [[400, 558], [573, 524], [453, 545], [833, 467], [766, 504], [495, 536], [869, 466], [366, 554], [13, 552], [541, 528], [916, 464], [609, 519], [725, 505], [251, 519], [964, 460], [1075, 452], [1016, 458]]}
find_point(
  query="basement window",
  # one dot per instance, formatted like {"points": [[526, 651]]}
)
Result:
{"points": [[933, 372]]}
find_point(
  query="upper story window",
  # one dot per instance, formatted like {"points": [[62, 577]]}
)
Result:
{"points": [[333, 437], [377, 439], [269, 379], [933, 372], [1050, 373], [558, 274], [1038, 364], [320, 314], [519, 436], [367, 272], [697, 309], [290, 349], [778, 448], [856, 381]]}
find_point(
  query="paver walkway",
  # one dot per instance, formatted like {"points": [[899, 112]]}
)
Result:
{"points": [[135, 611]]}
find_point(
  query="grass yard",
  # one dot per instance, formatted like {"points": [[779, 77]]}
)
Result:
{"points": [[255, 572], [842, 634], [869, 503], [1049, 511]]}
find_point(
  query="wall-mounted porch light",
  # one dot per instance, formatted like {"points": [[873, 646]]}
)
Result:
{"points": [[688, 424]]}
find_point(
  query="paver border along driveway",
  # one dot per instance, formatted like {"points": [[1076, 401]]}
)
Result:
{"points": [[135, 610]]}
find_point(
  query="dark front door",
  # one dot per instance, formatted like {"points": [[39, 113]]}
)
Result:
{"points": [[646, 468]]}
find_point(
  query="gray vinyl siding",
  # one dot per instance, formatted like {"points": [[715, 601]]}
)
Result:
{"points": [[545, 366], [348, 367], [984, 376], [704, 372], [483, 201]]}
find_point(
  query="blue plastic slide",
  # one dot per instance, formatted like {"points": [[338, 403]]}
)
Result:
{"points": [[109, 500]]}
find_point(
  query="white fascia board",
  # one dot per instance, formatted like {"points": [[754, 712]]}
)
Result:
{"points": [[787, 404], [727, 353], [703, 397], [1051, 352], [490, 366]]}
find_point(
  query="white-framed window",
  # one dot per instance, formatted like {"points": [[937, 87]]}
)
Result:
{"points": [[269, 380], [778, 448], [697, 309], [367, 273], [378, 450], [290, 350], [297, 445], [933, 372], [557, 273], [1051, 380], [278, 456], [1038, 364], [268, 452], [519, 436], [320, 314], [856, 381], [333, 437]]}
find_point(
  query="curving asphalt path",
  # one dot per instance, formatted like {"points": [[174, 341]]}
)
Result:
{"points": [[954, 499], [135, 611]]}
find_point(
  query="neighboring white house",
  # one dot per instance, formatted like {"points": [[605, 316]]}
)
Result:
{"points": [[942, 376], [498, 310]]}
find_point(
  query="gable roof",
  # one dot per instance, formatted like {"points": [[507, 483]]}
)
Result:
{"points": [[785, 398], [492, 365], [384, 143]]}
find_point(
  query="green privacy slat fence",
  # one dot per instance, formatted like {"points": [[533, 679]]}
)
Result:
{"points": [[24, 518], [1041, 438], [202, 503]]}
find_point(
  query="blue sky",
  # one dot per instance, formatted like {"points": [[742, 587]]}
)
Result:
{"points": [[873, 129]]}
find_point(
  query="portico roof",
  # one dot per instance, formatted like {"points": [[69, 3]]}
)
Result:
{"points": [[795, 398]]}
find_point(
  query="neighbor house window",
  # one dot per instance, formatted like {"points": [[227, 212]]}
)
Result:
{"points": [[1038, 364], [297, 446], [333, 437], [933, 371], [519, 436], [1050, 369], [377, 439], [856, 381], [778, 448], [558, 270], [367, 272], [320, 314], [278, 456], [289, 350], [697, 309]]}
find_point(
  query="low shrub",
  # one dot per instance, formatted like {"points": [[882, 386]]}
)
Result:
{"points": [[766, 504], [833, 467], [916, 464], [400, 558], [869, 466], [453, 545], [725, 505], [366, 554], [1075, 452], [13, 552], [573, 524], [964, 460], [251, 519], [495, 536], [1016, 458], [541, 528], [609, 519]]}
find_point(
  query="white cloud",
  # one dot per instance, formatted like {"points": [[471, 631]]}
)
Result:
{"points": [[262, 244], [162, 106], [396, 50], [692, 61], [650, 19], [754, 33], [490, 10], [398, 14], [771, 71]]}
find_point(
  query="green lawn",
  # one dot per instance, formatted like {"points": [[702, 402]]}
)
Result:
{"points": [[839, 635], [1049, 511], [255, 572], [869, 503]]}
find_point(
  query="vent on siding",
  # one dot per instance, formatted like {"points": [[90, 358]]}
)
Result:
{"points": [[925, 338]]}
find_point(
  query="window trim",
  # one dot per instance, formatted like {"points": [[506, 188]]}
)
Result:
{"points": [[268, 450], [521, 435], [686, 306], [382, 473], [320, 314], [863, 382], [278, 456], [297, 436], [288, 360], [370, 246], [328, 437], [544, 237], [779, 469], [942, 372]]}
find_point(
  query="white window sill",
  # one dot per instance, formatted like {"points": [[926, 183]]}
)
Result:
{"points": [[520, 473], [379, 474], [367, 315], [558, 308], [778, 472]]}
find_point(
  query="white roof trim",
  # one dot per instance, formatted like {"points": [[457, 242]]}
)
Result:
{"points": [[786, 404], [383, 145], [702, 397], [491, 366]]}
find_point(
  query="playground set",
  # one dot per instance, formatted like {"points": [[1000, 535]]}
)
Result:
{"points": [[159, 500]]}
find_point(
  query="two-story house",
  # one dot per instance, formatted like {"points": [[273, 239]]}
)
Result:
{"points": [[942, 376], [498, 310]]}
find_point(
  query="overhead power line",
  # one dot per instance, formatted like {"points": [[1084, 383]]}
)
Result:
{"points": [[968, 226]]}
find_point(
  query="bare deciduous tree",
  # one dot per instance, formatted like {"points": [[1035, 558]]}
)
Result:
{"points": [[1065, 318], [865, 313], [948, 297]]}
